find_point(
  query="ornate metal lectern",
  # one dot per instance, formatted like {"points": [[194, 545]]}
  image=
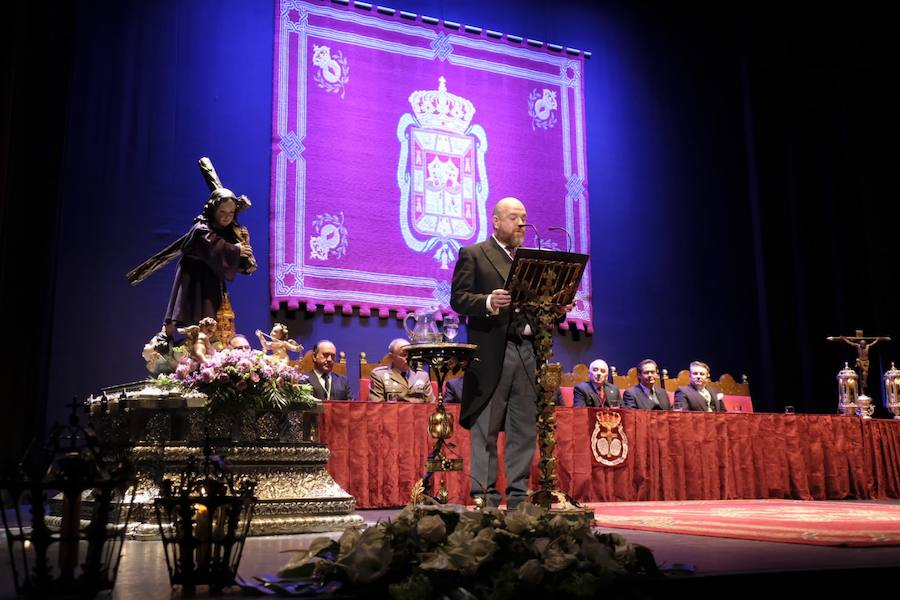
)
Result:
{"points": [[542, 283]]}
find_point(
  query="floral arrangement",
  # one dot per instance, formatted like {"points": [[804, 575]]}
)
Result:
{"points": [[442, 551], [238, 380]]}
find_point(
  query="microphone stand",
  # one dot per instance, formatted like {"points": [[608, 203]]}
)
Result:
{"points": [[568, 236], [537, 236]]}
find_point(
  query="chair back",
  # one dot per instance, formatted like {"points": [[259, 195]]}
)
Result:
{"points": [[727, 385], [365, 370], [578, 374], [365, 367], [623, 382], [671, 384]]}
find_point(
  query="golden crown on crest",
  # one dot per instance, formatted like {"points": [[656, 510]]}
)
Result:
{"points": [[439, 109], [609, 420]]}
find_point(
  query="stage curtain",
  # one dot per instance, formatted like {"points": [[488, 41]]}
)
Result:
{"points": [[379, 450]]}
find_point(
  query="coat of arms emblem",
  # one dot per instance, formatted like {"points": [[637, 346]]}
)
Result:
{"points": [[608, 442], [441, 174]]}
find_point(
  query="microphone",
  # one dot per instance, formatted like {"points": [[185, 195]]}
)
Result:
{"points": [[537, 236], [568, 236]]}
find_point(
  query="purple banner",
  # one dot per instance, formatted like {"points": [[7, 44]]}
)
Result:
{"points": [[392, 140]]}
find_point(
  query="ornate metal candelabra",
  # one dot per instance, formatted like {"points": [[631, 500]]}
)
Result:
{"points": [[204, 520], [850, 401], [76, 554], [443, 359], [892, 391]]}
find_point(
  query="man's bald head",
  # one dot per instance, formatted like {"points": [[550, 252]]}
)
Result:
{"points": [[506, 204], [508, 218]]}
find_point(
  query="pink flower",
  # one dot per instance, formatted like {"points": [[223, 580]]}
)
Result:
{"points": [[241, 385], [244, 366], [223, 377], [182, 371], [254, 377], [207, 375]]}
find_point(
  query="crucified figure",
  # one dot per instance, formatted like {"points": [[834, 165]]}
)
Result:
{"points": [[862, 345]]}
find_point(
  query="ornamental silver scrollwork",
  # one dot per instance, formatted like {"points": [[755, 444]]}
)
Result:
{"points": [[542, 109], [334, 72], [331, 239]]}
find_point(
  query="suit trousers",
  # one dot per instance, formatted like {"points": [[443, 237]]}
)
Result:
{"points": [[513, 409]]}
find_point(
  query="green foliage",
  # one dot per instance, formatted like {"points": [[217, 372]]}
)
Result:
{"points": [[437, 551]]}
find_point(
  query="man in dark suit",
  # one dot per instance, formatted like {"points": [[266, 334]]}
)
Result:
{"points": [[697, 395], [499, 390], [326, 384], [598, 391], [647, 394]]}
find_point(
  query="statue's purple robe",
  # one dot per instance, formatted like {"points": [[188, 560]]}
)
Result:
{"points": [[209, 257]]}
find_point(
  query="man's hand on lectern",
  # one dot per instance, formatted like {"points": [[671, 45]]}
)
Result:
{"points": [[500, 298]]}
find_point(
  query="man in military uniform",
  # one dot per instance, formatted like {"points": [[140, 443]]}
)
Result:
{"points": [[397, 381]]}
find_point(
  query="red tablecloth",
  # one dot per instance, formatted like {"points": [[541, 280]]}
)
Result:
{"points": [[378, 452]]}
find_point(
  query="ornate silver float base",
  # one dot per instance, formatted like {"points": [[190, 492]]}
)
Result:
{"points": [[296, 492], [280, 450]]}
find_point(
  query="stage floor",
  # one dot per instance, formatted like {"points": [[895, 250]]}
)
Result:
{"points": [[721, 563]]}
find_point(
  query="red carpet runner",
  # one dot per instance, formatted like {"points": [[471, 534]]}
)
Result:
{"points": [[837, 523]]}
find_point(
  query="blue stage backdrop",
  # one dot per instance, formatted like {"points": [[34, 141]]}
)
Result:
{"points": [[157, 85]]}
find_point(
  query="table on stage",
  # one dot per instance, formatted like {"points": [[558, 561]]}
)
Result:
{"points": [[378, 452]]}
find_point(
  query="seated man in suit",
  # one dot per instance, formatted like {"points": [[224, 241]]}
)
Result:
{"points": [[598, 391], [697, 395], [647, 394], [326, 384], [397, 381]]}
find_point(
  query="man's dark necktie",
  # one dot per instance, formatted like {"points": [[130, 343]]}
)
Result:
{"points": [[326, 382]]}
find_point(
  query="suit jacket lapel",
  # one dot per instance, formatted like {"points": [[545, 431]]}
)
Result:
{"points": [[316, 384], [663, 398], [659, 400], [648, 403], [497, 257], [698, 397], [595, 394], [690, 395], [610, 391]]}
